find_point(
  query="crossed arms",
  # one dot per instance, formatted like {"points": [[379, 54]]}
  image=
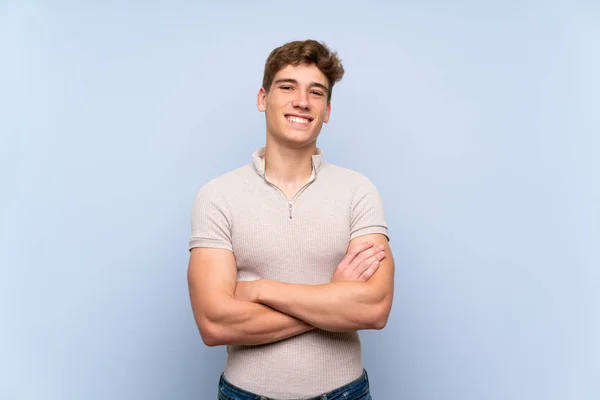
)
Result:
{"points": [[228, 312]]}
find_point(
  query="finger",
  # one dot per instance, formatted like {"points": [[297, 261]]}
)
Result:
{"points": [[366, 264], [365, 276], [356, 250], [363, 266], [359, 248], [366, 255]]}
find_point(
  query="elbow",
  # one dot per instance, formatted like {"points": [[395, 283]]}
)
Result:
{"points": [[210, 340], [380, 315], [212, 326], [210, 334], [380, 322], [215, 330]]}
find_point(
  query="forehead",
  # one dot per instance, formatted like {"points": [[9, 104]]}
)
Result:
{"points": [[303, 73]]}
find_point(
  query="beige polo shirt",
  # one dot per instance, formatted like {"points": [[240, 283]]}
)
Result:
{"points": [[300, 240]]}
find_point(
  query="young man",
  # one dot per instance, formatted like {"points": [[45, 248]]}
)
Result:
{"points": [[289, 254]]}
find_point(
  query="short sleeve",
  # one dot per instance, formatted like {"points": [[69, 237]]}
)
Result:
{"points": [[366, 211], [211, 220]]}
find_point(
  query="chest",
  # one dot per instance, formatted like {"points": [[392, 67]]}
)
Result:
{"points": [[299, 241]]}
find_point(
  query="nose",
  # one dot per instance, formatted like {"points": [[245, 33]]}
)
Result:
{"points": [[301, 99]]}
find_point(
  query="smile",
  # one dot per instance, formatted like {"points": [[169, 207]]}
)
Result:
{"points": [[298, 120]]}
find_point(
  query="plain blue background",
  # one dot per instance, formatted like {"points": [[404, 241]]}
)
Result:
{"points": [[477, 121]]}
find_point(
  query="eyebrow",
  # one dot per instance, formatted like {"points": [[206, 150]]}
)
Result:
{"points": [[295, 82]]}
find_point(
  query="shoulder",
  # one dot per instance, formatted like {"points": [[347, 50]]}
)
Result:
{"points": [[366, 211], [215, 199], [351, 179], [227, 183], [358, 189]]}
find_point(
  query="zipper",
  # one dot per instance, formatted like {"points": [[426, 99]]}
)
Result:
{"points": [[291, 202]]}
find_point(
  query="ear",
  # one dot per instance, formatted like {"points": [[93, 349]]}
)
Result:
{"points": [[327, 112], [261, 100]]}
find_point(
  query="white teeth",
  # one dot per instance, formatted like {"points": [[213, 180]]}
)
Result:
{"points": [[298, 119]]}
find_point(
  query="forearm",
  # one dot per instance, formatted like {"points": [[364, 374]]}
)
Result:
{"points": [[336, 306], [244, 323]]}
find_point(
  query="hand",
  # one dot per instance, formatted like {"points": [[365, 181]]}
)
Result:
{"points": [[360, 263], [247, 291]]}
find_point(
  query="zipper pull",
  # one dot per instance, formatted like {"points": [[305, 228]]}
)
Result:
{"points": [[290, 208]]}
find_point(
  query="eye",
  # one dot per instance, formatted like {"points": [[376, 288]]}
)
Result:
{"points": [[285, 87], [317, 93]]}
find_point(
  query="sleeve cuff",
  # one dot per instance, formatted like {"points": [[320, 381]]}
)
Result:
{"points": [[210, 243], [369, 230]]}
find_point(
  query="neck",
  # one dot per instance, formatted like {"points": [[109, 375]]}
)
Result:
{"points": [[289, 165]]}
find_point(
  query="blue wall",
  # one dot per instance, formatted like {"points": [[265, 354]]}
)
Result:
{"points": [[478, 123]]}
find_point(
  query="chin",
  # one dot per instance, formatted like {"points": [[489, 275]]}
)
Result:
{"points": [[295, 139]]}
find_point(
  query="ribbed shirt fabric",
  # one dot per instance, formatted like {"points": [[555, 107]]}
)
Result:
{"points": [[301, 241]]}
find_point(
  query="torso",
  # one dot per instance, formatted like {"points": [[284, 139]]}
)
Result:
{"points": [[296, 237]]}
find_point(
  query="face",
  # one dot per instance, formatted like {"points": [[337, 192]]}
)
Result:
{"points": [[296, 105]]}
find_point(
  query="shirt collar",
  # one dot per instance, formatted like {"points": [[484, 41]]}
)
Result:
{"points": [[258, 160]]}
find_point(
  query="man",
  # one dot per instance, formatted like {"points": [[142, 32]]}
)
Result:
{"points": [[289, 254]]}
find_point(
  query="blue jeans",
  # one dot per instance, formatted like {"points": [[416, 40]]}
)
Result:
{"points": [[356, 390]]}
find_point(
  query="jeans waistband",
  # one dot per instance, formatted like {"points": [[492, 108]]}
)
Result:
{"points": [[353, 390]]}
